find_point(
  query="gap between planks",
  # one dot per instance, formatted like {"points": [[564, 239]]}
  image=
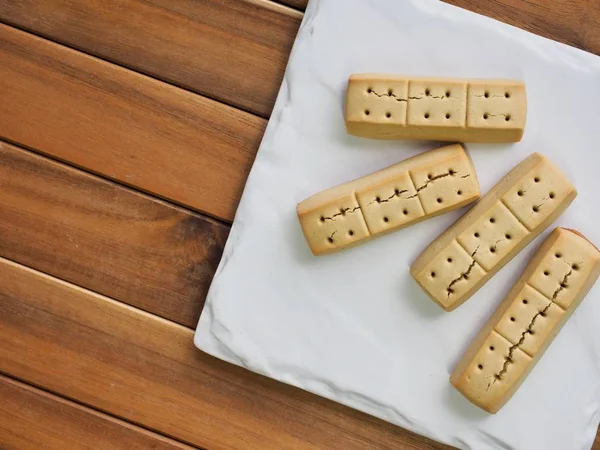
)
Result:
{"points": [[116, 183], [157, 138], [293, 8], [115, 62], [96, 295], [70, 340], [297, 5], [142, 251], [88, 421], [112, 52]]}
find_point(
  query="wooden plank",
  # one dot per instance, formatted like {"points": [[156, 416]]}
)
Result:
{"points": [[32, 418], [146, 370], [573, 22], [140, 131], [234, 51], [105, 237]]}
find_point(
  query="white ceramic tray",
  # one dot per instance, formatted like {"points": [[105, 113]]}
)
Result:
{"points": [[353, 326]]}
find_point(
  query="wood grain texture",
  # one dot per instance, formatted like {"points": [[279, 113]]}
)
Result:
{"points": [[572, 22], [140, 131], [33, 419], [234, 51], [105, 237], [146, 370], [128, 127]]}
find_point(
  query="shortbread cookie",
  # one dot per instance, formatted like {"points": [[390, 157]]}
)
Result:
{"points": [[415, 189], [556, 280], [443, 109], [524, 203]]}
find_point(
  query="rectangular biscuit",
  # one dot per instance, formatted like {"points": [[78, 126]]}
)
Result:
{"points": [[524, 203], [443, 109], [415, 189], [552, 286]]}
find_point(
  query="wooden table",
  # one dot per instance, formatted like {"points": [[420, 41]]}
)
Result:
{"points": [[128, 129]]}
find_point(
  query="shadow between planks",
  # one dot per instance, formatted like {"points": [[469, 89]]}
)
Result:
{"points": [[234, 51], [33, 418], [108, 238], [146, 370], [125, 126], [300, 5]]}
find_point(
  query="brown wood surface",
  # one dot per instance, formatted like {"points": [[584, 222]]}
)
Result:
{"points": [[232, 50], [101, 235], [176, 145], [32, 418], [146, 370], [123, 125]]}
